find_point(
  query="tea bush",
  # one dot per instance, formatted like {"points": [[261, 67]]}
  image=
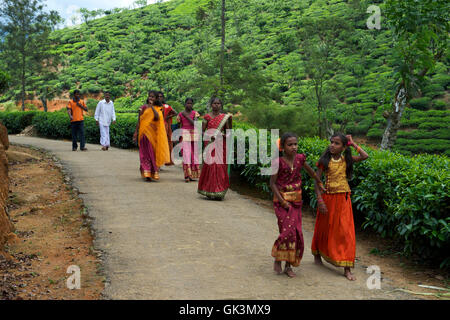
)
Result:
{"points": [[16, 121]]}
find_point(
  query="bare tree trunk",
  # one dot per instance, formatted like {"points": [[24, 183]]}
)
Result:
{"points": [[222, 49], [319, 109], [23, 82], [393, 120]]}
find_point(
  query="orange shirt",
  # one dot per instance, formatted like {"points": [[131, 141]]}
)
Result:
{"points": [[77, 112]]}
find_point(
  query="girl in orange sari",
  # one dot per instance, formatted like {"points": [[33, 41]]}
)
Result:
{"points": [[152, 138], [334, 232], [286, 184], [214, 181]]}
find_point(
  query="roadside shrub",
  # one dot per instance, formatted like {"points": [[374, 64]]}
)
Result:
{"points": [[56, 125], [16, 121]]}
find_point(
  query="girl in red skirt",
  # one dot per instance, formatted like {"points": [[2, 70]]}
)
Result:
{"points": [[334, 232]]}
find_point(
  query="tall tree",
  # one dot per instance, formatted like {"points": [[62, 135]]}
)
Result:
{"points": [[25, 46], [222, 46], [420, 35], [89, 15], [4, 81], [319, 41]]}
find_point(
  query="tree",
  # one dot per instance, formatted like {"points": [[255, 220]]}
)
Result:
{"points": [[319, 38], [25, 47], [140, 3], [4, 81], [222, 45], [420, 35], [89, 15]]}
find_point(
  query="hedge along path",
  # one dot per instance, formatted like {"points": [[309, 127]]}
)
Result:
{"points": [[161, 240]]}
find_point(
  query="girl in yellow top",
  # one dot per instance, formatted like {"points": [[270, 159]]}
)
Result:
{"points": [[334, 232], [152, 138]]}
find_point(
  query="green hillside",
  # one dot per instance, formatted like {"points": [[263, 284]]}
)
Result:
{"points": [[174, 46]]}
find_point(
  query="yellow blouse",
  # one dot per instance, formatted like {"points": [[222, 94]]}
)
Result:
{"points": [[337, 177]]}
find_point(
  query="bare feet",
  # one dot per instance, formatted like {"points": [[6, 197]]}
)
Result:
{"points": [[347, 273], [318, 259], [277, 267], [290, 273]]}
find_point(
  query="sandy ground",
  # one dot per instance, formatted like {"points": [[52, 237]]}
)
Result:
{"points": [[161, 240], [52, 232]]}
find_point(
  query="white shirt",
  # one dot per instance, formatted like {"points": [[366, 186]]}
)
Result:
{"points": [[104, 113]]}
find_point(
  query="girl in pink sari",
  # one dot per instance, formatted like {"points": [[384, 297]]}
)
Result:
{"points": [[214, 181], [189, 141], [287, 201]]}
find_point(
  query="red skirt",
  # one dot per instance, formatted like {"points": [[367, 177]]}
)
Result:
{"points": [[214, 181], [334, 232], [147, 158], [289, 245]]}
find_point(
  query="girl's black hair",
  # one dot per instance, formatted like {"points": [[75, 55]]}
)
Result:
{"points": [[155, 93], [326, 156], [187, 99], [215, 98], [283, 139], [76, 91]]}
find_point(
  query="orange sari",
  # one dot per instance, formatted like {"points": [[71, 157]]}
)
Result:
{"points": [[334, 232], [155, 133]]}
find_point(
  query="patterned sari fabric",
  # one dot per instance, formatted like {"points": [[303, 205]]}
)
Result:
{"points": [[214, 181], [289, 245], [189, 146], [334, 232], [153, 146]]}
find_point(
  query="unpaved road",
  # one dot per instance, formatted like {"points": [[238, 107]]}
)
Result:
{"points": [[161, 240]]}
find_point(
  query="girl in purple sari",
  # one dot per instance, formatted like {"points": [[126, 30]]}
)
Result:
{"points": [[287, 201]]}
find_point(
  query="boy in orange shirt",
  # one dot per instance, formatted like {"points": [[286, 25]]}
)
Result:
{"points": [[75, 110]]}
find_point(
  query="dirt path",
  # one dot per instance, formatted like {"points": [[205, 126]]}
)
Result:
{"points": [[52, 233], [161, 240]]}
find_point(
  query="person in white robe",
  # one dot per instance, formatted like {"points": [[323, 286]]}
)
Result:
{"points": [[105, 115]]}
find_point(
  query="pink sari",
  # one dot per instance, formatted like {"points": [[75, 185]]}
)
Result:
{"points": [[289, 245], [189, 146]]}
